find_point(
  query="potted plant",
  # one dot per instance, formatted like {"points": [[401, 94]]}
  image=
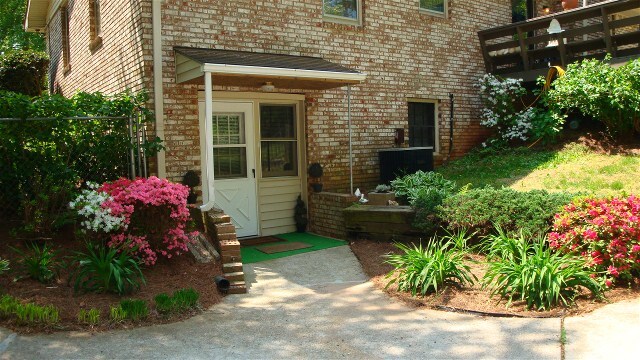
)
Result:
{"points": [[381, 195], [315, 172], [191, 179], [300, 215]]}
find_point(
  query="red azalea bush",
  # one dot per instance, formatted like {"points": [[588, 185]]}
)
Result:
{"points": [[155, 216], [604, 231]]}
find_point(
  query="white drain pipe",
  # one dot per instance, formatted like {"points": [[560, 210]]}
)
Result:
{"points": [[158, 92], [350, 139]]}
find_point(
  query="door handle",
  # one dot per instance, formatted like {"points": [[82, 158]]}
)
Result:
{"points": [[254, 173]]}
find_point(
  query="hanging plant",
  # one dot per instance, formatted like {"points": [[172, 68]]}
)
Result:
{"points": [[315, 170]]}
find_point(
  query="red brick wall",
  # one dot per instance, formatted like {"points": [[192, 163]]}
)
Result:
{"points": [[116, 65], [406, 54], [325, 213]]}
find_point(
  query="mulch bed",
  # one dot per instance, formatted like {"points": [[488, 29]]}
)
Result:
{"points": [[471, 299], [166, 276]]}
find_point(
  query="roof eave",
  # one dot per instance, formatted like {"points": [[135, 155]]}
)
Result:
{"points": [[35, 19]]}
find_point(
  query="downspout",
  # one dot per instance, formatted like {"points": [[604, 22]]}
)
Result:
{"points": [[158, 91], [450, 127], [350, 139]]}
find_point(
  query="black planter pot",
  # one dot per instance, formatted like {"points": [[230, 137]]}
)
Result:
{"points": [[317, 187], [301, 228]]}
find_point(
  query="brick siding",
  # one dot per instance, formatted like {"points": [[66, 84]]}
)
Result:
{"points": [[405, 53]]}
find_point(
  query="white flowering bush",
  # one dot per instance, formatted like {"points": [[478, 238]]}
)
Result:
{"points": [[501, 112], [95, 216]]}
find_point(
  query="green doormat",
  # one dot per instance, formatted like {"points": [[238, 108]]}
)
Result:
{"points": [[287, 246], [251, 254]]}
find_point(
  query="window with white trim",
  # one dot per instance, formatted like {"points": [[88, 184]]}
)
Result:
{"points": [[344, 11], [278, 140], [436, 7]]}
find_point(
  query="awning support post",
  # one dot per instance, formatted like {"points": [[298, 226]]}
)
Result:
{"points": [[350, 139], [208, 196]]}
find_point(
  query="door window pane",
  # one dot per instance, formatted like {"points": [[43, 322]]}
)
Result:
{"points": [[228, 129], [229, 146], [230, 162]]}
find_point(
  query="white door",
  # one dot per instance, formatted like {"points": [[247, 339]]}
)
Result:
{"points": [[234, 162]]}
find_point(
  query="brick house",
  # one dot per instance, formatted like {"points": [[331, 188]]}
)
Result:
{"points": [[278, 82]]}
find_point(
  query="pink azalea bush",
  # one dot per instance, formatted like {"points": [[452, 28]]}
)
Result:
{"points": [[606, 232], [155, 216]]}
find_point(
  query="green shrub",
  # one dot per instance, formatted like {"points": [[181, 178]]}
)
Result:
{"points": [[422, 184], [480, 209], [34, 314], [603, 92], [4, 266], [182, 300], [164, 303], [24, 71], [91, 317], [117, 313], [38, 262], [134, 309], [8, 305], [425, 270], [527, 270], [103, 269]]}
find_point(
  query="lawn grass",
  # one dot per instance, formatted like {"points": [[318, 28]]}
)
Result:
{"points": [[572, 168]]}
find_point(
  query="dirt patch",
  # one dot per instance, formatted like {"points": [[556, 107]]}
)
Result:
{"points": [[166, 276], [472, 298]]}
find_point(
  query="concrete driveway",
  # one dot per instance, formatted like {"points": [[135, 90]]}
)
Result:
{"points": [[320, 305]]}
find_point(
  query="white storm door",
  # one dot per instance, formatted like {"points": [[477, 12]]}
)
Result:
{"points": [[234, 167]]}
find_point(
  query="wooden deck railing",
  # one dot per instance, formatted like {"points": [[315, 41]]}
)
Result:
{"points": [[526, 49]]}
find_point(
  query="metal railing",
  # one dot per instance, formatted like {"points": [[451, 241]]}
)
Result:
{"points": [[527, 48]]}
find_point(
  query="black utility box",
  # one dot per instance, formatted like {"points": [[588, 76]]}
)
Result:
{"points": [[400, 161]]}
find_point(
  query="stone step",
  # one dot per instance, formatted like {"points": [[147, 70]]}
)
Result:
{"points": [[238, 287], [235, 276], [232, 267]]}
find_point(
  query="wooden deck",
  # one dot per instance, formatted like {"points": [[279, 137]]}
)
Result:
{"points": [[526, 49]]}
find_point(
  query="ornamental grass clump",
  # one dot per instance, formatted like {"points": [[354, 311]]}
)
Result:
{"points": [[181, 301], [604, 232], [149, 216], [38, 262], [528, 270], [422, 270], [102, 269]]}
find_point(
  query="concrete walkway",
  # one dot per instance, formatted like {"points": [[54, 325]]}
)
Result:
{"points": [[319, 305]]}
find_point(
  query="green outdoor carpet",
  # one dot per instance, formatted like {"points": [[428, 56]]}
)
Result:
{"points": [[250, 254]]}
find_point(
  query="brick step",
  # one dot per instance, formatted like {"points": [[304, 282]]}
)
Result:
{"points": [[232, 267], [238, 287], [235, 276]]}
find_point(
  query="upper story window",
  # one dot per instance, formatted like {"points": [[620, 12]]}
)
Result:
{"points": [[343, 11], [436, 7], [95, 29]]}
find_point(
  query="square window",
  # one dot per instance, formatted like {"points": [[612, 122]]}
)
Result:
{"points": [[347, 11], [434, 6]]}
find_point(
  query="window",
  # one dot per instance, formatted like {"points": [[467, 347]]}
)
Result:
{"points": [[347, 11], [422, 124], [66, 46], [229, 146], [434, 6], [278, 140], [95, 29]]}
